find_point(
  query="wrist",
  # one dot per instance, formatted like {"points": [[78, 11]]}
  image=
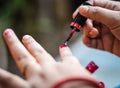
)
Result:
{"points": [[78, 82]]}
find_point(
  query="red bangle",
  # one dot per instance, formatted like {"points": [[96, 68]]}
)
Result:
{"points": [[94, 82]]}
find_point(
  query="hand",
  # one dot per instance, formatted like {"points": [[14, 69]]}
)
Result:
{"points": [[39, 67], [102, 29]]}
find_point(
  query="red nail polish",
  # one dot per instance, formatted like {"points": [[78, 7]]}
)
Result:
{"points": [[92, 67], [101, 84], [8, 33], [63, 45]]}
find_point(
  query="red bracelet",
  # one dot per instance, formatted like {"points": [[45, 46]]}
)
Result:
{"points": [[94, 82]]}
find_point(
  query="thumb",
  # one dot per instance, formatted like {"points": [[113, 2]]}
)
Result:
{"points": [[99, 14]]}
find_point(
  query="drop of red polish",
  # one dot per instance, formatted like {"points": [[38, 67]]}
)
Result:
{"points": [[63, 45]]}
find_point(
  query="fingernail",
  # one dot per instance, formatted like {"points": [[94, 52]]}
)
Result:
{"points": [[26, 37], [102, 85], [8, 33], [63, 46], [83, 9]]}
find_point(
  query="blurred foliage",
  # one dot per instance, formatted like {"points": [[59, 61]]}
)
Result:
{"points": [[20, 15], [46, 20], [7, 7]]}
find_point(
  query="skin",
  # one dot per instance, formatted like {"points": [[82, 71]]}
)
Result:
{"points": [[102, 29], [38, 66]]}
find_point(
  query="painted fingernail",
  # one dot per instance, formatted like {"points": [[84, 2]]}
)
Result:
{"points": [[63, 46], [101, 85], [92, 67], [8, 33]]}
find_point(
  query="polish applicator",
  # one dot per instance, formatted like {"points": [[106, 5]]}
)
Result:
{"points": [[77, 23]]}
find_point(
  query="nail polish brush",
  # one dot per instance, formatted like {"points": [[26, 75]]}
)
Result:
{"points": [[77, 24]]}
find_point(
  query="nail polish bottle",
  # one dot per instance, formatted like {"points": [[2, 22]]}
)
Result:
{"points": [[79, 21], [77, 24], [92, 67]]}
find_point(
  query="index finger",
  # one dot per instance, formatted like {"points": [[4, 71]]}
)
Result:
{"points": [[66, 55], [89, 3], [109, 4]]}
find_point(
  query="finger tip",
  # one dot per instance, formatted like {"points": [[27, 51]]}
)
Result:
{"points": [[63, 46], [94, 33], [7, 31], [73, 16], [64, 50], [75, 13], [83, 9]]}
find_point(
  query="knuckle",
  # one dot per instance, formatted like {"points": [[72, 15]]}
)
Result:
{"points": [[94, 11], [21, 57], [116, 7]]}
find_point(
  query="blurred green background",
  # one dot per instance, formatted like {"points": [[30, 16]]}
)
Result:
{"points": [[46, 20]]}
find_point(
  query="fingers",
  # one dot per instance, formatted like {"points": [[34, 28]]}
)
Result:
{"points": [[89, 30], [25, 61], [86, 41], [37, 51], [8, 80], [94, 43], [101, 3], [105, 16], [90, 42], [116, 48], [109, 4], [108, 42], [100, 44], [66, 55]]}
